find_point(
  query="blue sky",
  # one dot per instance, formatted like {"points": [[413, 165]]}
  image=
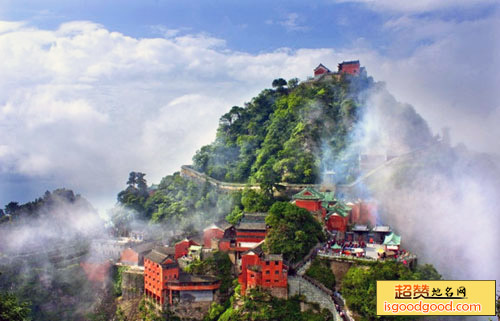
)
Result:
{"points": [[75, 74], [250, 26], [247, 25]]}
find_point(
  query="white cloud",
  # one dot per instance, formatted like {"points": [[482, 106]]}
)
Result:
{"points": [[450, 75], [6, 26], [292, 22], [81, 106]]}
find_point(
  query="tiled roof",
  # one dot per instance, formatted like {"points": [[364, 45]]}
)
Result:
{"points": [[352, 62], [273, 257], [321, 66], [392, 239], [257, 249], [308, 193], [185, 277], [160, 253], [143, 247], [382, 228], [360, 228], [252, 221]]}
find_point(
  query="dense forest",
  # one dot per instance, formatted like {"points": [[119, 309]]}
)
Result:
{"points": [[280, 135]]}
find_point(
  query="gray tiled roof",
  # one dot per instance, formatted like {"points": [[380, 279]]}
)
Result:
{"points": [[252, 221], [160, 254]]}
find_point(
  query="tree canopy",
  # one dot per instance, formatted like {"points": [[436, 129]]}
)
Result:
{"points": [[11, 309], [293, 231], [360, 284]]}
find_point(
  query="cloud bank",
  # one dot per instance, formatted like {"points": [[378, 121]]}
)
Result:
{"points": [[81, 106]]}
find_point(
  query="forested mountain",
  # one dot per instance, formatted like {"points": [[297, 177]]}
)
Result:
{"points": [[41, 246], [278, 135], [294, 132]]}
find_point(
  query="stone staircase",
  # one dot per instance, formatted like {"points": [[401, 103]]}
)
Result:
{"points": [[302, 270], [299, 285]]}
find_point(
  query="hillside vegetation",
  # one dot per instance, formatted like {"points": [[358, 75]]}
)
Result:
{"points": [[280, 135]]}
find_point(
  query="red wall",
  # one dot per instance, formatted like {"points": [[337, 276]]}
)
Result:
{"points": [[364, 213], [253, 279], [352, 69], [320, 71], [211, 233], [182, 248], [224, 245], [152, 280], [337, 223], [310, 205], [270, 276], [156, 278], [129, 256]]}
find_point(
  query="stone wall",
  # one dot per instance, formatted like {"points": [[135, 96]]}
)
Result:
{"points": [[280, 293], [191, 311], [132, 283], [300, 286], [284, 188], [339, 269]]}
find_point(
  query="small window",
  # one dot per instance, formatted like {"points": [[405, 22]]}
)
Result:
{"points": [[267, 272], [251, 275], [268, 281], [276, 281], [276, 272], [267, 262], [276, 262]]}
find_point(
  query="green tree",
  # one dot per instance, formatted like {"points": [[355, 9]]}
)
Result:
{"points": [[11, 208], [360, 283], [142, 185], [293, 231], [255, 201], [320, 271], [293, 83], [11, 309], [427, 272], [279, 82], [132, 181]]}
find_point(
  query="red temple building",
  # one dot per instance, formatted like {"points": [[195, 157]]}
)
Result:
{"points": [[250, 231], [309, 198], [159, 267], [165, 283], [349, 67], [262, 270], [320, 70], [363, 213], [182, 247], [336, 215], [219, 236], [134, 255]]}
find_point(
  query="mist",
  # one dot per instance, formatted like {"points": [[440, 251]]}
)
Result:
{"points": [[42, 246], [443, 199]]}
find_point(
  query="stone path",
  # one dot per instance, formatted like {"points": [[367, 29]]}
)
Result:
{"points": [[299, 285]]}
